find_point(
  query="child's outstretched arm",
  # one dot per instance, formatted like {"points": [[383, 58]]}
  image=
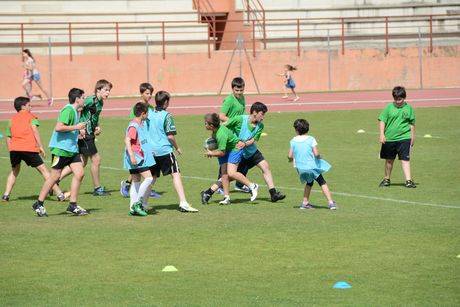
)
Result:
{"points": [[412, 135], [290, 155], [173, 142], [132, 158], [316, 152], [382, 132]]}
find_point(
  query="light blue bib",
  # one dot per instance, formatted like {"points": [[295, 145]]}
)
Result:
{"points": [[246, 134], [159, 139], [148, 159], [67, 140]]}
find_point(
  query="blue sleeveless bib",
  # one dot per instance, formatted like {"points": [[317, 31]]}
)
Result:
{"points": [[246, 134], [146, 148], [159, 139], [68, 140]]}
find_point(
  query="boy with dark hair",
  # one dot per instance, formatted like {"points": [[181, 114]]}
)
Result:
{"points": [[86, 144], [248, 128], [64, 150], [234, 104], [161, 131], [24, 144], [397, 135], [138, 158], [146, 91]]}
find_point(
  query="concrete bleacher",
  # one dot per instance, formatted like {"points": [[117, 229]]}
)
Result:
{"points": [[137, 19], [318, 18]]}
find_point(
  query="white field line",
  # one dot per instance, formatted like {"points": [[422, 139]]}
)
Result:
{"points": [[343, 102], [401, 201]]}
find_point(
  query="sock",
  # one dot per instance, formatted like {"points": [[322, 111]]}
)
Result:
{"points": [[209, 191], [73, 204], [144, 190], [145, 197], [40, 203], [272, 191], [133, 193], [184, 203], [96, 188]]}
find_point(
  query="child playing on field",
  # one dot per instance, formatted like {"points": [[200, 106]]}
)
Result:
{"points": [[138, 159], [162, 130], [289, 81], [64, 150], [397, 135], [229, 153], [308, 163], [146, 91], [24, 144]]}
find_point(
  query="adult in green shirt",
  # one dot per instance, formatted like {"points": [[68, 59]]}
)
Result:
{"points": [[90, 115], [397, 135], [234, 104]]}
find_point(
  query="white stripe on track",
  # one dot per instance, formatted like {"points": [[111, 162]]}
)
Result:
{"points": [[344, 102]]}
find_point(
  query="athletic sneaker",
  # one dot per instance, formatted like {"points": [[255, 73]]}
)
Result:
{"points": [[61, 197], [154, 194], [254, 192], [243, 189], [277, 196], [226, 201], [205, 197], [100, 191], [187, 208], [332, 206], [410, 184], [124, 188], [50, 102], [220, 191], [77, 210], [39, 209], [306, 207], [5, 197], [385, 183], [138, 210]]}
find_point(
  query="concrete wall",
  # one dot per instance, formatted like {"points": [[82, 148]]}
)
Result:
{"points": [[358, 69]]}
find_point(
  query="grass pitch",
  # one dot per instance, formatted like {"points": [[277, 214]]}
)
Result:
{"points": [[395, 246]]}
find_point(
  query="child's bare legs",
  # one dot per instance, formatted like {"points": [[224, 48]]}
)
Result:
{"points": [[177, 182], [49, 182], [232, 171], [40, 86], [306, 194], [327, 193], [285, 92], [225, 180], [95, 165], [11, 180], [45, 173], [27, 86], [264, 167], [78, 174], [296, 97], [406, 169], [389, 168]]}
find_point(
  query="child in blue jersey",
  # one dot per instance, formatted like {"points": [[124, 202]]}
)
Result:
{"points": [[161, 135], [138, 159], [64, 150], [289, 82], [308, 163]]}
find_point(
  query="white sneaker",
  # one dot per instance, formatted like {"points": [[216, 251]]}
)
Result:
{"points": [[244, 189], [226, 201], [254, 192], [187, 208]]}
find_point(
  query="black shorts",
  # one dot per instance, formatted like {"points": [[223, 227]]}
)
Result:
{"points": [[401, 148], [58, 162], [32, 159], [320, 179], [165, 165], [87, 146], [138, 170], [247, 163]]}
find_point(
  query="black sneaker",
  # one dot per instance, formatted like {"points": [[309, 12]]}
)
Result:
{"points": [[277, 196], [77, 210], [5, 197], [385, 183], [410, 184], [205, 197], [100, 191], [39, 209]]}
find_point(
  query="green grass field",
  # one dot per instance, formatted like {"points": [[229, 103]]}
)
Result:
{"points": [[395, 246]]}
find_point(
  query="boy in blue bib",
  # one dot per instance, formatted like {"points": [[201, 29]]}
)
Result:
{"points": [[64, 150], [308, 163]]}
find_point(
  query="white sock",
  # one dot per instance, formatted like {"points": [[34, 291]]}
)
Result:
{"points": [[144, 190], [145, 198], [252, 186], [133, 193]]}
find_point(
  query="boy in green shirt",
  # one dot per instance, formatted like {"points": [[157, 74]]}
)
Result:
{"points": [[397, 135], [86, 144], [234, 104]]}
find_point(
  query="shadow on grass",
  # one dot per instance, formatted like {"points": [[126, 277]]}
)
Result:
{"points": [[71, 214]]}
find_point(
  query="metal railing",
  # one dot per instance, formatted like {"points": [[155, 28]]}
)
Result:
{"points": [[288, 31]]}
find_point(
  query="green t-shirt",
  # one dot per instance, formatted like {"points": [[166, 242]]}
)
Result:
{"points": [[397, 121], [67, 117], [226, 140], [232, 106], [34, 122], [235, 123], [90, 113]]}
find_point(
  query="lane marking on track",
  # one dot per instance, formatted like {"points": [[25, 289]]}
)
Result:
{"points": [[344, 102]]}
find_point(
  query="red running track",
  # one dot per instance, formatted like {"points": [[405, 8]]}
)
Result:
{"points": [[307, 102]]}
